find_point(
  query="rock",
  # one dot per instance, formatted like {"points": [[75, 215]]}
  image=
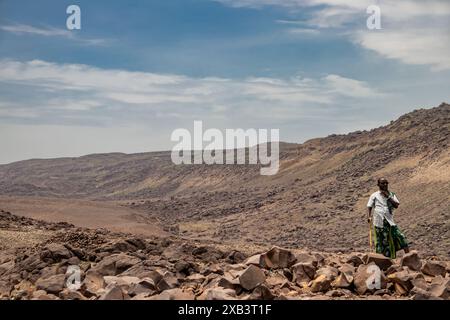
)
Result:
{"points": [[251, 277], [277, 258], [213, 268], [255, 260], [5, 289], [55, 252], [145, 286], [434, 268], [262, 292], [440, 287], [348, 269], [365, 279], [182, 267], [113, 292], [169, 281], [31, 263], [306, 258], [156, 275], [37, 294], [68, 294], [52, 284], [125, 282], [355, 260], [335, 293], [420, 294], [195, 278], [402, 281], [93, 284], [344, 280], [174, 294], [321, 284], [46, 296], [276, 279], [400, 290], [235, 257], [218, 294], [420, 283], [115, 264], [228, 282], [207, 253], [380, 260], [330, 272], [411, 260], [303, 272]]}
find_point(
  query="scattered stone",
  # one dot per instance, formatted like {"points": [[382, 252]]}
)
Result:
{"points": [[251, 277], [53, 284], [321, 284], [303, 272], [434, 268], [412, 261], [362, 281], [381, 261], [277, 258]]}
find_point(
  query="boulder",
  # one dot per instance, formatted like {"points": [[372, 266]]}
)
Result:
{"points": [[228, 282], [277, 258], [402, 281], [420, 294], [169, 281], [195, 278], [355, 260], [55, 252], [304, 257], [330, 272], [440, 287], [343, 280], [348, 269], [156, 275], [93, 284], [113, 292], [235, 257], [411, 260], [303, 272], [434, 268], [255, 260], [125, 282], [115, 264], [262, 292], [321, 284], [380, 260], [145, 286], [53, 284], [251, 277], [365, 279]]}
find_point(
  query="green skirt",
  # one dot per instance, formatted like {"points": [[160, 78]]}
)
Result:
{"points": [[389, 239]]}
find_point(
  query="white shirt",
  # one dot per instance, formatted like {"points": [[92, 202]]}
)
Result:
{"points": [[380, 209]]}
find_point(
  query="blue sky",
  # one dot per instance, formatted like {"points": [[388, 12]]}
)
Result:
{"points": [[137, 70]]}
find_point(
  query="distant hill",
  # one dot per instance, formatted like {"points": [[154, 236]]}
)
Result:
{"points": [[316, 200]]}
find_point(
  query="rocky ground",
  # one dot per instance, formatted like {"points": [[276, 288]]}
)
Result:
{"points": [[38, 261]]}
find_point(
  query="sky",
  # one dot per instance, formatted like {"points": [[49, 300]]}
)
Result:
{"points": [[138, 70]]}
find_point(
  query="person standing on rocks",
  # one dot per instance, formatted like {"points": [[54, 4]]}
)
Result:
{"points": [[388, 237]]}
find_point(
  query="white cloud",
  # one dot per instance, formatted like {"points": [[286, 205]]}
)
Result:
{"points": [[87, 93], [412, 46], [414, 31], [23, 29]]}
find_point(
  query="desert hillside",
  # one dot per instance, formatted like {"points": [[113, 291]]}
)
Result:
{"points": [[316, 201]]}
